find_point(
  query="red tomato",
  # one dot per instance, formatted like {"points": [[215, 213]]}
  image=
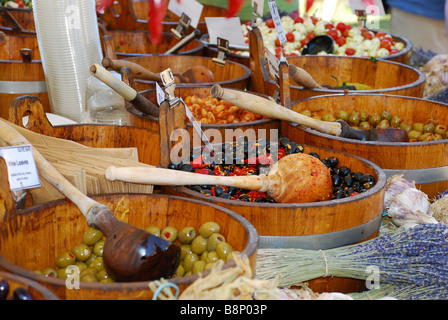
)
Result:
{"points": [[341, 26], [350, 51], [314, 19], [385, 44], [277, 43], [345, 33], [310, 36], [20, 3], [279, 50], [329, 26], [380, 34], [303, 42], [340, 41], [290, 37], [270, 23], [333, 33], [298, 20], [393, 51], [368, 35]]}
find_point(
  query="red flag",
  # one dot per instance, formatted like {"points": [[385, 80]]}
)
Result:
{"points": [[309, 4], [234, 7], [157, 10]]}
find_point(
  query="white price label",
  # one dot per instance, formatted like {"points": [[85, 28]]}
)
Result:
{"points": [[22, 170], [260, 6], [191, 8], [371, 7], [273, 64], [225, 28], [160, 94], [277, 22]]}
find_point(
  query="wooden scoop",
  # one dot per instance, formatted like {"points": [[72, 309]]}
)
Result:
{"points": [[303, 78], [130, 253], [130, 94], [267, 108], [296, 178]]}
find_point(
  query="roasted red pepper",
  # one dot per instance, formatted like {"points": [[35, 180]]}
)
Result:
{"points": [[157, 10], [234, 8]]}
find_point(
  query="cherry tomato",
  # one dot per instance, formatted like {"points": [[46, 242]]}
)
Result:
{"points": [[341, 41], [385, 44], [368, 35], [310, 36], [20, 3], [350, 51], [298, 20], [303, 42], [290, 37], [393, 51], [278, 51], [345, 33], [333, 33], [341, 26], [379, 34], [329, 26], [270, 23], [314, 19], [277, 43]]}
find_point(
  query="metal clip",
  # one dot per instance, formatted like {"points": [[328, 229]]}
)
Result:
{"points": [[362, 18], [169, 87], [19, 197], [254, 15], [223, 50], [183, 25]]}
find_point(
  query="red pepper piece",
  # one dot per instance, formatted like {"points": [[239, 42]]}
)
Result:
{"points": [[157, 10], [234, 8], [197, 163], [201, 171]]}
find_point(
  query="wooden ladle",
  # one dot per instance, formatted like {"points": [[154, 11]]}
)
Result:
{"points": [[296, 178], [270, 109], [302, 77], [130, 253]]}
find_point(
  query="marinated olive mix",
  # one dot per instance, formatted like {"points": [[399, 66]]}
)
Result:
{"points": [[19, 293], [200, 249], [417, 132], [254, 158]]}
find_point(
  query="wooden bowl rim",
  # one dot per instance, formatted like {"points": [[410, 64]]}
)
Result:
{"points": [[45, 293]]}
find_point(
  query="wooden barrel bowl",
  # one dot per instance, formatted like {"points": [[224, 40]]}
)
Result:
{"points": [[317, 225], [37, 291], [135, 16], [92, 135], [17, 20], [33, 238], [231, 75], [21, 71], [422, 162], [145, 121], [138, 43]]}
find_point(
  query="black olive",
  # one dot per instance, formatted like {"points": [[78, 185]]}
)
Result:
{"points": [[218, 190], [333, 162], [357, 175], [260, 199], [299, 149], [334, 171], [314, 154], [4, 289], [188, 167], [338, 189], [196, 188], [283, 141], [224, 195], [343, 171], [290, 147], [366, 178], [356, 185], [244, 197], [337, 180], [173, 166], [349, 191], [362, 190], [22, 294], [206, 192], [348, 180], [339, 195], [232, 191], [368, 185], [270, 200]]}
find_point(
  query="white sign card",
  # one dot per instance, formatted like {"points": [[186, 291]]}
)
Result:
{"points": [[191, 8], [273, 64], [226, 28], [160, 94], [22, 170], [260, 7], [277, 22], [371, 7]]}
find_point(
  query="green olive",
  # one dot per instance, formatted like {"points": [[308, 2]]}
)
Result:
{"points": [[198, 267], [102, 274], [383, 124], [82, 252], [342, 115], [395, 121], [189, 260], [386, 115], [437, 136], [363, 116], [223, 249], [107, 280], [49, 272], [184, 250], [209, 265], [91, 236], [440, 129], [65, 259], [213, 241], [306, 113], [353, 118], [153, 230], [328, 117], [428, 136], [199, 245], [365, 125], [406, 126], [88, 278], [98, 248], [208, 228], [90, 259], [98, 263], [204, 256], [212, 257], [186, 235], [169, 233], [418, 126], [89, 270], [374, 119], [317, 117], [179, 272], [429, 128], [414, 135], [81, 265], [62, 274]]}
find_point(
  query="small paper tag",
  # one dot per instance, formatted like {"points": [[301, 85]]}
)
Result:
{"points": [[226, 28], [22, 170], [371, 7], [160, 94], [197, 127], [259, 5], [277, 22], [192, 8], [273, 64]]}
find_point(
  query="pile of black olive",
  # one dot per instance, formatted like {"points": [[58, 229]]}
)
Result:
{"points": [[346, 183], [19, 293]]}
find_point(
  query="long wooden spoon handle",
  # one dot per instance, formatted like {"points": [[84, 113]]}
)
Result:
{"points": [[302, 77], [270, 109], [127, 92], [138, 71], [168, 177], [47, 171]]}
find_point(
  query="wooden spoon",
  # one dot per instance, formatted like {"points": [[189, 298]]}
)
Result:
{"points": [[270, 109], [303, 78], [296, 178], [130, 253], [130, 94]]}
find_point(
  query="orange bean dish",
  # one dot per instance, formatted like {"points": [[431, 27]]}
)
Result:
{"points": [[213, 111]]}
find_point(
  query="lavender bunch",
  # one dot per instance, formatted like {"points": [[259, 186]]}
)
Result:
{"points": [[402, 292], [415, 256]]}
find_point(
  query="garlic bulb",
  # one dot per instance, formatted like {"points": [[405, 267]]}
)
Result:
{"points": [[395, 185]]}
